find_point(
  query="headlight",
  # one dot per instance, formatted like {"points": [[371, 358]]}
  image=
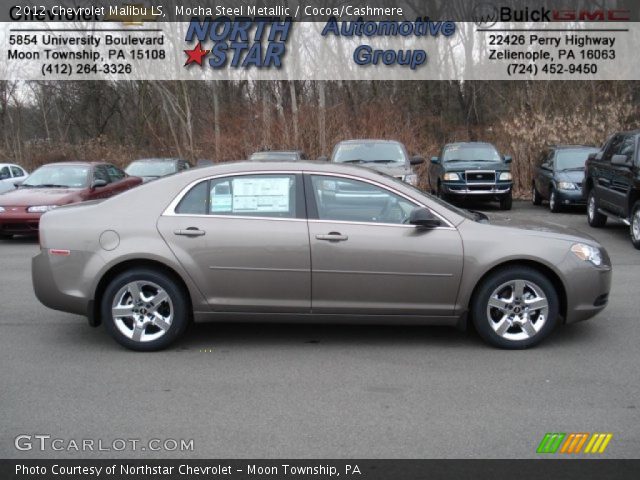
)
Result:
{"points": [[505, 176], [451, 176], [411, 179], [587, 253], [567, 186], [41, 208]]}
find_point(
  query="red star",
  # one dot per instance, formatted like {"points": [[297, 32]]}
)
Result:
{"points": [[196, 55]]}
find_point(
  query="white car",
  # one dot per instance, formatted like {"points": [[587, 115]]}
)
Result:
{"points": [[9, 174]]}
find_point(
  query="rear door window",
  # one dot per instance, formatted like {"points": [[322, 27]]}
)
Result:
{"points": [[17, 171]]}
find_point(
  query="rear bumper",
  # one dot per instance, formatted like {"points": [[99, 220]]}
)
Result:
{"points": [[19, 223]]}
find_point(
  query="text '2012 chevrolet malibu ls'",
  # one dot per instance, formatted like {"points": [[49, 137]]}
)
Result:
{"points": [[307, 242]]}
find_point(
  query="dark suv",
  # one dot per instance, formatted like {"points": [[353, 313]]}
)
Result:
{"points": [[612, 183], [472, 169], [560, 175]]}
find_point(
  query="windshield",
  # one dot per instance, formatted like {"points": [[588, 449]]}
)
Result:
{"points": [[151, 169], [471, 153], [570, 159], [62, 176], [261, 156], [369, 152]]}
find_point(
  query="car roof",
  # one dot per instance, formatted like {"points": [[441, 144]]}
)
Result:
{"points": [[277, 151], [369, 140], [76, 163], [453, 144], [162, 159]]}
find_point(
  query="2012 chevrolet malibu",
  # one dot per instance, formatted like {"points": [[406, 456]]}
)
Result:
{"points": [[303, 242]]}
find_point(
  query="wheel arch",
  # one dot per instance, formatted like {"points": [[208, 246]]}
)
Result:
{"points": [[545, 270], [115, 270]]}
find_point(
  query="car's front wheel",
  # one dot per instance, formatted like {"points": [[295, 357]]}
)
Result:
{"points": [[594, 217], [554, 206], [144, 309], [536, 199], [515, 308], [634, 229]]}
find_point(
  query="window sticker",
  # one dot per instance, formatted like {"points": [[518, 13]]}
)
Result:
{"points": [[221, 200], [260, 195]]}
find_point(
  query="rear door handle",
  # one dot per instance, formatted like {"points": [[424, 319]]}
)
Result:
{"points": [[333, 237], [190, 232]]}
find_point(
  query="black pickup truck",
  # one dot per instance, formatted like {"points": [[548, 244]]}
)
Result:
{"points": [[612, 183]]}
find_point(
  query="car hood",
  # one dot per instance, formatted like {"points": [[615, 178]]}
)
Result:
{"points": [[39, 196], [574, 176], [453, 166], [545, 229]]}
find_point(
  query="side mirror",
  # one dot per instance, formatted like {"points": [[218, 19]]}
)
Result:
{"points": [[621, 160], [435, 160], [98, 183], [323, 158], [508, 159], [422, 217], [416, 160]]}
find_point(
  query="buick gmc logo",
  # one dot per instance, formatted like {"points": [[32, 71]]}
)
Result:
{"points": [[486, 15]]}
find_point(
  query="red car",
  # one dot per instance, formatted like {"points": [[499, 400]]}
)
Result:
{"points": [[54, 185]]}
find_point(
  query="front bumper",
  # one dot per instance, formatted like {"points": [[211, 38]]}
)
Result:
{"points": [[19, 222], [570, 197], [587, 289], [461, 188]]}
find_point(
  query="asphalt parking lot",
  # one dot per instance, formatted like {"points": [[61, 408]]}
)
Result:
{"points": [[303, 391]]}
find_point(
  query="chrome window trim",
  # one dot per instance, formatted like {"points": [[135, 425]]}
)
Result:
{"points": [[170, 210]]}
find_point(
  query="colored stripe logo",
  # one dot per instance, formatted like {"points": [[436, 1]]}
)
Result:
{"points": [[573, 443]]}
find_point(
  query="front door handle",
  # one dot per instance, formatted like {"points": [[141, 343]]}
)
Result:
{"points": [[190, 232], [333, 237]]}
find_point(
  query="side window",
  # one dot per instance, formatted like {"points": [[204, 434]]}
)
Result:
{"points": [[115, 174], [4, 173], [343, 199], [272, 195], [626, 146], [194, 202], [17, 171], [612, 147], [100, 173]]}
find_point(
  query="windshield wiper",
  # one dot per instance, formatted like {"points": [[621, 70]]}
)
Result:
{"points": [[384, 161], [572, 169], [48, 185], [355, 160]]}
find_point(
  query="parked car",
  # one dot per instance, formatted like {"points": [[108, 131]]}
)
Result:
{"points": [[282, 242], [11, 174], [153, 168], [612, 183], [471, 170], [559, 176], [54, 185], [278, 156], [386, 156]]}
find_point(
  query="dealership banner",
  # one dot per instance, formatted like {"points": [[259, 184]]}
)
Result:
{"points": [[375, 40]]}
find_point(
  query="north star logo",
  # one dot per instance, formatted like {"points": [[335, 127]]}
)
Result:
{"points": [[240, 43]]}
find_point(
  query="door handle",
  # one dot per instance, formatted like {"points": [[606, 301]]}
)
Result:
{"points": [[190, 232], [333, 237]]}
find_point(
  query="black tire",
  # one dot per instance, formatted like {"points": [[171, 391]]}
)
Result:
{"points": [[440, 194], [554, 206], [5, 236], [506, 202], [634, 228], [595, 218], [495, 280], [178, 302], [536, 199]]}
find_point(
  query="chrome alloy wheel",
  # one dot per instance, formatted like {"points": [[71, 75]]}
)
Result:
{"points": [[635, 225], [591, 207], [517, 310], [142, 311]]}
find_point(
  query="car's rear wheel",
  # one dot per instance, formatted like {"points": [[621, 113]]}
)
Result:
{"points": [[594, 217], [536, 199], [506, 202], [515, 307], [144, 309], [554, 206], [634, 229]]}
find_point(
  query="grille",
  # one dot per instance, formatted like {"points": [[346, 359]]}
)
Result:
{"points": [[480, 176]]}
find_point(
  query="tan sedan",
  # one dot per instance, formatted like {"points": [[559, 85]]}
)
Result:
{"points": [[307, 242]]}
